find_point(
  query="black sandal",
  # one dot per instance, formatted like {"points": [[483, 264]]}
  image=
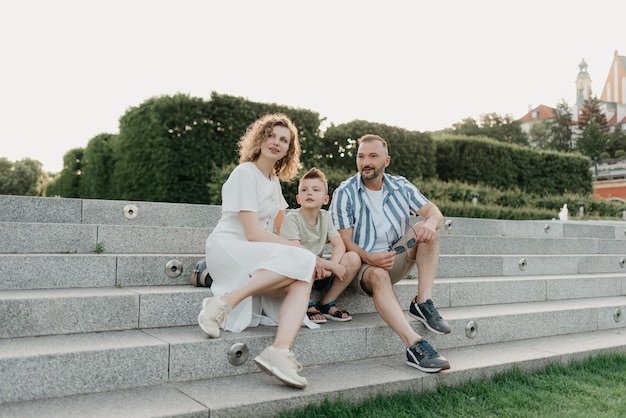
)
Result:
{"points": [[337, 316], [312, 312]]}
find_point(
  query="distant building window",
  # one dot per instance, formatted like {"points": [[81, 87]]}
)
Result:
{"points": [[535, 114]]}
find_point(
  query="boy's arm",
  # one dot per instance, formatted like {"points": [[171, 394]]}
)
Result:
{"points": [[339, 249], [333, 265]]}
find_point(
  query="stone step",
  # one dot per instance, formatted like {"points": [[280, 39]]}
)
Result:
{"points": [[259, 395], [474, 244], [466, 291], [43, 367], [527, 264], [96, 305], [29, 313], [68, 311], [107, 212], [27, 238], [113, 212], [537, 229], [63, 365], [60, 238], [50, 271]]}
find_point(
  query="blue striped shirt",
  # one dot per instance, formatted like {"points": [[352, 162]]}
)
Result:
{"points": [[349, 209]]}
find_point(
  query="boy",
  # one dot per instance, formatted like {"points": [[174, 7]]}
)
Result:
{"points": [[311, 227]]}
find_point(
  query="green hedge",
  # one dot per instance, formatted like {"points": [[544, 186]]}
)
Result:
{"points": [[479, 160], [413, 154], [455, 199], [169, 147], [181, 149], [467, 210]]}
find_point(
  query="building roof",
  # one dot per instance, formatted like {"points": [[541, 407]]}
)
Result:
{"points": [[613, 121], [613, 90], [541, 112]]}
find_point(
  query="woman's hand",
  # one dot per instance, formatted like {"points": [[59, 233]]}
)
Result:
{"points": [[318, 274]]}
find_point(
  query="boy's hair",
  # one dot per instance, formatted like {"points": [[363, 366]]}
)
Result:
{"points": [[314, 173]]}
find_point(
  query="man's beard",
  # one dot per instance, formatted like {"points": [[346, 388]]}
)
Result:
{"points": [[374, 173]]}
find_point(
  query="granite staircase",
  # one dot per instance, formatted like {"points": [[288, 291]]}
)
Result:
{"points": [[98, 317]]}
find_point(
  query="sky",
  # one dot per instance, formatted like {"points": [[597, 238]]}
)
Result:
{"points": [[70, 69]]}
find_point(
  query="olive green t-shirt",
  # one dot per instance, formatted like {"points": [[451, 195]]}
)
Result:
{"points": [[313, 237]]}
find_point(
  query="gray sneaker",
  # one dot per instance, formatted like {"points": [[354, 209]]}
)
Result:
{"points": [[428, 315], [281, 365], [423, 356], [213, 315]]}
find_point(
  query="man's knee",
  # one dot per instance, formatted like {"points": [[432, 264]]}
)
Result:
{"points": [[376, 278]]}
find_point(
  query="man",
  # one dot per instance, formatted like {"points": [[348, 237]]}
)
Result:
{"points": [[372, 212]]}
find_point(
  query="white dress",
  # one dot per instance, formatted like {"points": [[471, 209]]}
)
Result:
{"points": [[231, 258]]}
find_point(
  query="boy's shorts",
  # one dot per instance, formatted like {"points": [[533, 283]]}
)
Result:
{"points": [[323, 284], [402, 266]]}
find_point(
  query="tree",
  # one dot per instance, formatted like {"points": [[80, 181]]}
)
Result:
{"points": [[97, 167], [22, 178], [503, 128], [541, 135], [412, 153], [6, 176], [170, 147], [592, 123], [163, 152], [594, 140], [67, 183], [591, 111], [467, 126], [562, 128], [617, 142]]}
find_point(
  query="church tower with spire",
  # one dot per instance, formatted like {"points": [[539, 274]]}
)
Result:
{"points": [[583, 85]]}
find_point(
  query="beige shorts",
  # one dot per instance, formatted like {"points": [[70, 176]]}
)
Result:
{"points": [[402, 266]]}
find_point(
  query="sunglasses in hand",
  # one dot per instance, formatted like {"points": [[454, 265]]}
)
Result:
{"points": [[400, 248]]}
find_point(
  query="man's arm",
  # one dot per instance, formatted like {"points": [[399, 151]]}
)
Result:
{"points": [[433, 220], [383, 260]]}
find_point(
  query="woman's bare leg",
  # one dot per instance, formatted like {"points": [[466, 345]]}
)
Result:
{"points": [[293, 308]]}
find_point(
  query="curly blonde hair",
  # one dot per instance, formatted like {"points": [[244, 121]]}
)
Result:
{"points": [[250, 144]]}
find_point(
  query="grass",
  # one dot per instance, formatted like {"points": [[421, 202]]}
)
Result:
{"points": [[99, 248], [595, 387]]}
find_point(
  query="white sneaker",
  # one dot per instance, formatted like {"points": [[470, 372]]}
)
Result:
{"points": [[282, 365], [213, 315]]}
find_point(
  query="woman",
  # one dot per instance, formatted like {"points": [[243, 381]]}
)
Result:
{"points": [[246, 258]]}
